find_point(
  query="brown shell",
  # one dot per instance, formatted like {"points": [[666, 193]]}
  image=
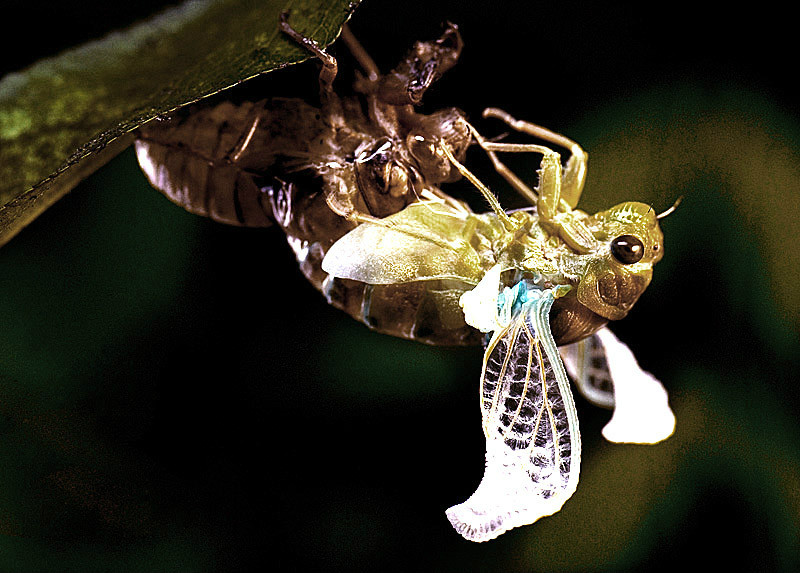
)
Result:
{"points": [[191, 157]]}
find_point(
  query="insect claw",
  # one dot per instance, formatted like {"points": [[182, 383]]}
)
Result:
{"points": [[330, 66]]}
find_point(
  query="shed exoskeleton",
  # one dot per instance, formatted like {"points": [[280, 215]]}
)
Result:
{"points": [[317, 171]]}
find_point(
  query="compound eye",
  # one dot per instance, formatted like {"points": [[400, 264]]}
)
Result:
{"points": [[627, 249]]}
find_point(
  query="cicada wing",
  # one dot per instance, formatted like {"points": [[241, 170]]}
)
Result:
{"points": [[531, 429], [586, 364], [641, 409], [423, 241], [607, 374]]}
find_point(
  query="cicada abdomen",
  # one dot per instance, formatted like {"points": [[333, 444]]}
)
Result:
{"points": [[206, 159]]}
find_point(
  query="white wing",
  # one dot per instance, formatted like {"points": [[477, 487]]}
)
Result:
{"points": [[606, 372], [531, 429]]}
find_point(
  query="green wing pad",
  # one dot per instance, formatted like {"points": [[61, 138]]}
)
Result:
{"points": [[423, 241]]}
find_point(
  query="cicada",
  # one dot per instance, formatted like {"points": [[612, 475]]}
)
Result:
{"points": [[355, 183], [531, 280]]}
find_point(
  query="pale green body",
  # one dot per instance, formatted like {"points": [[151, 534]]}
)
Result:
{"points": [[429, 241], [534, 279]]}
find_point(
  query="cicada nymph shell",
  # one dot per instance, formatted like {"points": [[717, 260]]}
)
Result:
{"points": [[188, 158], [319, 169]]}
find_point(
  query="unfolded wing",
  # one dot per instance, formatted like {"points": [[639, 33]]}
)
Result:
{"points": [[531, 428]]}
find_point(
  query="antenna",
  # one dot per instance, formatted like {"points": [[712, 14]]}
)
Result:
{"points": [[671, 210]]}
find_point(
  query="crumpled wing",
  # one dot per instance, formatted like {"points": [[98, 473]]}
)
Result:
{"points": [[423, 241], [531, 427], [587, 365], [607, 374]]}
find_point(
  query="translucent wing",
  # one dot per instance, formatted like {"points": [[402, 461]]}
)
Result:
{"points": [[531, 429], [607, 374], [586, 364], [423, 241]]}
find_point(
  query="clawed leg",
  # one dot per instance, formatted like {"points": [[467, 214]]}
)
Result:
{"points": [[574, 175], [329, 65]]}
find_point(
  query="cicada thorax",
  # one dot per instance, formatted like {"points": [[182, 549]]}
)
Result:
{"points": [[607, 280]]}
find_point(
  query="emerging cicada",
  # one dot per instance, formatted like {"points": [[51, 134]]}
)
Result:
{"points": [[355, 185]]}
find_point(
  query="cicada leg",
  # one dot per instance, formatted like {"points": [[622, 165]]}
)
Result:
{"points": [[554, 211], [547, 196], [567, 225], [253, 120], [574, 175], [549, 181], [360, 54], [330, 66], [485, 191]]}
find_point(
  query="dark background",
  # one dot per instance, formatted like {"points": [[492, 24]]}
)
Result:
{"points": [[174, 396]]}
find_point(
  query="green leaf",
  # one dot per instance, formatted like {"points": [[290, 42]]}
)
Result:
{"points": [[64, 117]]}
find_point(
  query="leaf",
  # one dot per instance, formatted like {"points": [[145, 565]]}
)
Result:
{"points": [[64, 117]]}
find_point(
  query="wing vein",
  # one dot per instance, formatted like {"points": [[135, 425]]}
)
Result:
{"points": [[503, 369], [548, 407], [524, 392], [490, 348]]}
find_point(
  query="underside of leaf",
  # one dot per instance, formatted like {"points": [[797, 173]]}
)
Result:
{"points": [[65, 116]]}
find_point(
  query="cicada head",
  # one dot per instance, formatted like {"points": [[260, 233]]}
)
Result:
{"points": [[631, 242]]}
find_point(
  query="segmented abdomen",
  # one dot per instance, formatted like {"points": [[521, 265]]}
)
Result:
{"points": [[208, 159], [426, 311]]}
